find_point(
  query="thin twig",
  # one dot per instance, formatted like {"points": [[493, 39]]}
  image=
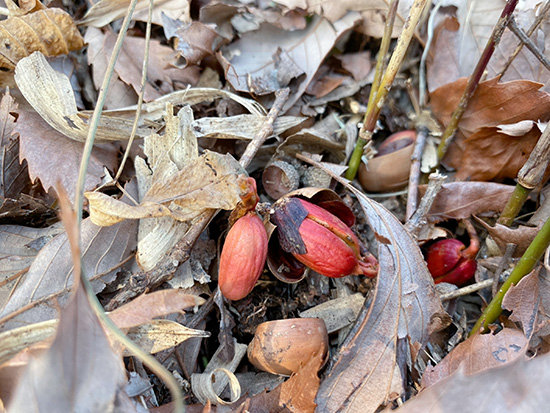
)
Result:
{"points": [[418, 219], [538, 20], [414, 175], [513, 26], [474, 79], [164, 270], [472, 288], [422, 71]]}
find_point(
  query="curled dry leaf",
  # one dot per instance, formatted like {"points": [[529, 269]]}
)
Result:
{"points": [[461, 200], [50, 94], [50, 31], [521, 237], [404, 312], [478, 353], [527, 304], [268, 59], [210, 182]]}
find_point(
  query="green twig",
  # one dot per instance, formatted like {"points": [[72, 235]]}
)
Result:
{"points": [[523, 267], [514, 205], [153, 364], [474, 79], [375, 105]]}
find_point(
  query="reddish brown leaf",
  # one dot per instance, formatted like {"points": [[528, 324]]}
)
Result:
{"points": [[460, 200], [358, 64], [195, 41], [404, 312], [521, 236], [42, 147], [478, 353], [490, 155], [519, 386], [523, 300], [493, 104]]}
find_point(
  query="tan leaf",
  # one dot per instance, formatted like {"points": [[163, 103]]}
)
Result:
{"points": [[527, 304], [105, 11], [42, 146], [50, 31], [195, 41], [460, 200], [51, 95], [478, 353], [268, 59], [13, 175], [405, 308], [521, 237]]}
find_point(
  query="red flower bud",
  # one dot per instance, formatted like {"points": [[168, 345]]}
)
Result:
{"points": [[320, 240], [449, 261], [243, 257]]}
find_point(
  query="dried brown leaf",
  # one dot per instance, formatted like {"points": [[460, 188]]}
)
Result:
{"points": [[50, 31], [105, 11], [42, 146], [13, 175], [478, 353], [404, 312], [268, 59], [358, 64], [493, 104], [523, 300], [460, 200], [521, 237], [195, 41]]}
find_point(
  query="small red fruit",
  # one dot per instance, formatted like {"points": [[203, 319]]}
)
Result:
{"points": [[243, 257], [320, 240], [450, 261]]}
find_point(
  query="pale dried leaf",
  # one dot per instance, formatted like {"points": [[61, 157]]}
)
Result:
{"points": [[267, 60], [105, 11], [404, 312], [50, 277], [337, 313], [524, 301], [42, 146], [195, 41], [521, 237], [62, 377], [159, 335], [241, 126], [51, 95], [461, 200], [50, 31], [18, 339], [516, 129], [519, 386], [478, 353]]}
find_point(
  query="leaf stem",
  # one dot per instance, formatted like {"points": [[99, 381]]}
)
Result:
{"points": [[474, 79], [523, 267], [378, 96]]}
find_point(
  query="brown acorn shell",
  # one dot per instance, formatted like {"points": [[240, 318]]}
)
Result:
{"points": [[283, 346], [283, 265]]}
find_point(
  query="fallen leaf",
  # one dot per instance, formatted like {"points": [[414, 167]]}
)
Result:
{"points": [[358, 64], [404, 312], [493, 104], [49, 280], [490, 155], [461, 200], [521, 237], [195, 41], [42, 146], [518, 386], [50, 31], [478, 353], [268, 59], [105, 11], [523, 301]]}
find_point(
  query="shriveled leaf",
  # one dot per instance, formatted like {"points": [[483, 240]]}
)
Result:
{"points": [[13, 341], [404, 312], [148, 306], [521, 237], [524, 301], [460, 200], [51, 95], [50, 31], [518, 386], [160, 335], [105, 11], [460, 37], [241, 126], [478, 353], [62, 377], [492, 105], [490, 155], [297, 394], [50, 277], [267, 60], [195, 41], [42, 146]]}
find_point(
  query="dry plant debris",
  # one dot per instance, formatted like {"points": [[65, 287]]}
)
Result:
{"points": [[249, 109]]}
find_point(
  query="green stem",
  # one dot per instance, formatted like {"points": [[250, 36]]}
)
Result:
{"points": [[514, 205], [523, 267]]}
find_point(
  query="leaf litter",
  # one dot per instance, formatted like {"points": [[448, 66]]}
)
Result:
{"points": [[209, 98]]}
